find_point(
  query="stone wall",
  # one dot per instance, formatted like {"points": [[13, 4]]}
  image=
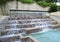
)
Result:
{"points": [[55, 16], [21, 6]]}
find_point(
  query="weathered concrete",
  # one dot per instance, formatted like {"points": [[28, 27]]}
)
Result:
{"points": [[55, 16], [21, 6], [2, 22]]}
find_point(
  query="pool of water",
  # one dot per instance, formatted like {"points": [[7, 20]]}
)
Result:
{"points": [[50, 36]]}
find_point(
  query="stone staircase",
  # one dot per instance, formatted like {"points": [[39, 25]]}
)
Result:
{"points": [[17, 25]]}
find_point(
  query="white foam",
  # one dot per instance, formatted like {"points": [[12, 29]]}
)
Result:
{"points": [[17, 41], [44, 30]]}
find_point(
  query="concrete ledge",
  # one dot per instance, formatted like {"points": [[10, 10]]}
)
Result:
{"points": [[54, 26]]}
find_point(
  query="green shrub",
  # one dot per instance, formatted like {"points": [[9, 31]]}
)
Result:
{"points": [[38, 0], [2, 2], [53, 8], [27, 1], [58, 8], [42, 3], [10, 0], [50, 1]]}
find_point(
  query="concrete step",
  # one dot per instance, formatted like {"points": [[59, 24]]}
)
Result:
{"points": [[56, 26], [11, 39]]}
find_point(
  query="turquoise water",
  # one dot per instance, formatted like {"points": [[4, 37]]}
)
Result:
{"points": [[50, 36]]}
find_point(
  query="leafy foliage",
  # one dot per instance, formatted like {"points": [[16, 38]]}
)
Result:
{"points": [[53, 8], [38, 0], [50, 1], [58, 8], [2, 2], [43, 4], [27, 1]]}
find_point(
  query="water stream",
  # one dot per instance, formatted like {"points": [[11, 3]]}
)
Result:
{"points": [[16, 26]]}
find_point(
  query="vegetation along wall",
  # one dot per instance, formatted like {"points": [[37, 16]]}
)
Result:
{"points": [[41, 5]]}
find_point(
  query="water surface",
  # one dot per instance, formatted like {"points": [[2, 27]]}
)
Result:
{"points": [[50, 36]]}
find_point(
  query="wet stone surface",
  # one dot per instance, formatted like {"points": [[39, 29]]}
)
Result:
{"points": [[25, 22]]}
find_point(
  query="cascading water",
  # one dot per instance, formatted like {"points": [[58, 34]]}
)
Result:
{"points": [[16, 26], [43, 23]]}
